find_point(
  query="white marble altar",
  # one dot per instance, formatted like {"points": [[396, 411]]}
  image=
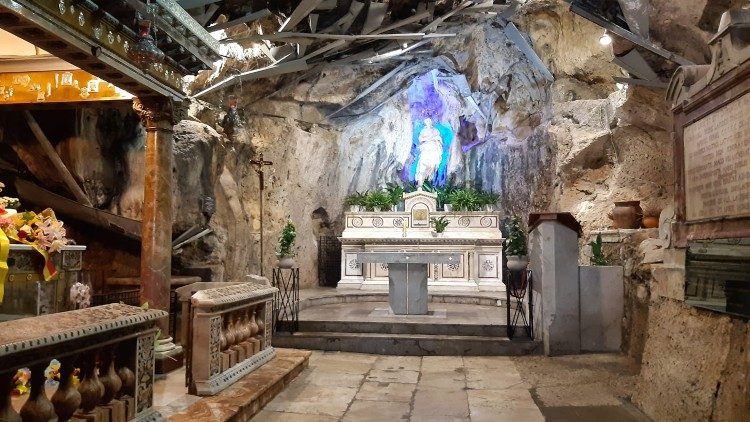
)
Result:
{"points": [[475, 236], [407, 277]]}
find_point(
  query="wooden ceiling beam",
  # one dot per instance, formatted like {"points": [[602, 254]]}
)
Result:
{"points": [[264, 72], [250, 17], [295, 36], [302, 10], [345, 22]]}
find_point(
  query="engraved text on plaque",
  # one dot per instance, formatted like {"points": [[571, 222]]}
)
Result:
{"points": [[717, 163]]}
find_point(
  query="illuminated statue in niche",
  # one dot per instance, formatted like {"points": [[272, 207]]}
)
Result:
{"points": [[443, 128], [430, 152]]}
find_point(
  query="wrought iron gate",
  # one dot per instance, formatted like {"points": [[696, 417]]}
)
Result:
{"points": [[329, 261]]}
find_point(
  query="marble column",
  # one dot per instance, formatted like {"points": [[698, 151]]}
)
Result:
{"points": [[158, 115]]}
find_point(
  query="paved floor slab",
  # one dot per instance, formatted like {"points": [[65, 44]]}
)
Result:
{"points": [[359, 388]]}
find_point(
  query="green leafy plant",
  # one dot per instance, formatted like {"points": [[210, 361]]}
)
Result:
{"points": [[597, 254], [487, 198], [515, 244], [439, 223], [377, 199], [286, 240], [395, 192], [443, 194], [356, 198], [464, 200]]}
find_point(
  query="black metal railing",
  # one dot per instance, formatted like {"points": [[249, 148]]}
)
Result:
{"points": [[286, 300], [518, 284]]}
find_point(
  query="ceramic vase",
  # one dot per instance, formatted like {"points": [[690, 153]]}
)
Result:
{"points": [[286, 261], [627, 215], [517, 262]]}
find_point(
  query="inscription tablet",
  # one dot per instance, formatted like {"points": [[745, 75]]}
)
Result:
{"points": [[717, 163]]}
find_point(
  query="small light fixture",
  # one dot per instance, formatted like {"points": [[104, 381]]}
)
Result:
{"points": [[144, 52], [605, 39], [405, 45]]}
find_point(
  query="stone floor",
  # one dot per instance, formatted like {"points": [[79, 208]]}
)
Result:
{"points": [[341, 386], [440, 313], [356, 387]]}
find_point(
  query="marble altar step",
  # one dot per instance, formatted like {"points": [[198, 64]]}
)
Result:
{"points": [[408, 344], [417, 327]]}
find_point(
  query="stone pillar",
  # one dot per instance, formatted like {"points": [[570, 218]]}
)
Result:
{"points": [[553, 255], [158, 116]]}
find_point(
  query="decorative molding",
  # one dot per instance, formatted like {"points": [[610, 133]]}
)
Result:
{"points": [[18, 336], [230, 376], [144, 373], [214, 345], [154, 110], [232, 294]]}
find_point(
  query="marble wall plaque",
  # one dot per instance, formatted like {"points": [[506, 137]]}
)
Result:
{"points": [[717, 163]]}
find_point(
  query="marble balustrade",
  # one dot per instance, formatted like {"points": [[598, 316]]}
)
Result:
{"points": [[228, 333], [109, 349]]}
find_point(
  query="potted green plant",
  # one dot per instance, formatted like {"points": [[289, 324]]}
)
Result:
{"points": [[378, 201], [439, 224], [355, 201], [515, 245], [285, 248], [488, 200], [463, 200], [396, 193]]}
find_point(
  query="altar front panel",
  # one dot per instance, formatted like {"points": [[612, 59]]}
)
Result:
{"points": [[478, 268]]}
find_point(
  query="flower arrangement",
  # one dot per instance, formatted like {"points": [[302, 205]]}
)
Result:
{"points": [[42, 230], [7, 203]]}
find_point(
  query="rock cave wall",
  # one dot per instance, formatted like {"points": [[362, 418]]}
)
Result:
{"points": [[576, 145]]}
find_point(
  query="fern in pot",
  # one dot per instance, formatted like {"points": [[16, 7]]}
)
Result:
{"points": [[285, 248], [515, 245], [355, 202], [439, 224], [488, 200]]}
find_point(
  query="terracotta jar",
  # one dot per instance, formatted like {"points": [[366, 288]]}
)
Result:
{"points": [[651, 222], [627, 215]]}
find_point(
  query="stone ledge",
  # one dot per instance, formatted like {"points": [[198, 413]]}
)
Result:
{"points": [[246, 397]]}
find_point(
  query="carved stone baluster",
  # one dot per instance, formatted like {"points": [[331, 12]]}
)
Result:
{"points": [[254, 328], [112, 385], [110, 380], [38, 408], [7, 413], [247, 332], [126, 393], [239, 336], [66, 399], [261, 321], [91, 388]]}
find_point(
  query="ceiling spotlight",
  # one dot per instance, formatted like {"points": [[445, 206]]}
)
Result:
{"points": [[605, 39], [405, 45]]}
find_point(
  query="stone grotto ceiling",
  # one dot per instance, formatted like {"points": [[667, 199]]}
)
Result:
{"points": [[273, 38]]}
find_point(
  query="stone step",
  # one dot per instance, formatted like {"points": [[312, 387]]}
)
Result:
{"points": [[445, 329], [408, 344]]}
